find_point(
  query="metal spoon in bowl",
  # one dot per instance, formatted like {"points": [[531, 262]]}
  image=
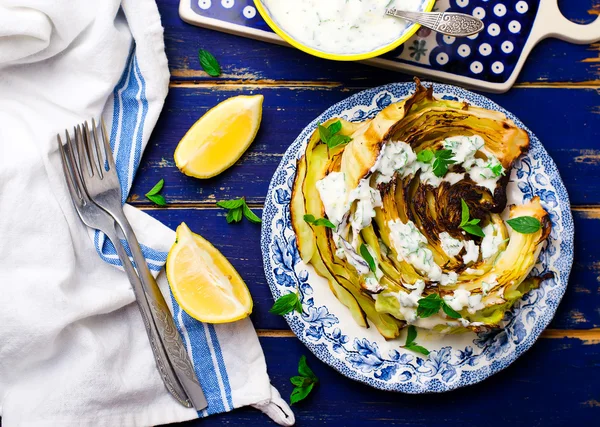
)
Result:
{"points": [[447, 23]]}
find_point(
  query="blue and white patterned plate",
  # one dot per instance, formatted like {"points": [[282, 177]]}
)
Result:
{"points": [[326, 326]]}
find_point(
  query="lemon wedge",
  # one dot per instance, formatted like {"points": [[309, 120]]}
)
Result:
{"points": [[203, 282], [220, 137]]}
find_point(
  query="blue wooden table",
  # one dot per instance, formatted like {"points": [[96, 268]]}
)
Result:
{"points": [[557, 382]]}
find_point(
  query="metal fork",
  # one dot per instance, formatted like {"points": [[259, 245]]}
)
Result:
{"points": [[80, 169]]}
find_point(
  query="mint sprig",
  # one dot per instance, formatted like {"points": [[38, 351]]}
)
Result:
{"points": [[153, 195], [330, 136], [411, 345], [320, 222], [238, 209], [432, 304], [443, 158], [471, 226], [303, 383], [286, 304]]}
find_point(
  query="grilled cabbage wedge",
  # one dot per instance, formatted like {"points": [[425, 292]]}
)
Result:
{"points": [[411, 198]]}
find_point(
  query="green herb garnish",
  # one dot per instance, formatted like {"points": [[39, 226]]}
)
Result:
{"points": [[286, 304], [525, 224], [497, 170], [432, 304], [411, 334], [364, 252], [320, 222], [237, 209], [209, 63], [153, 195], [330, 136], [303, 383], [471, 226], [443, 158], [425, 156]]}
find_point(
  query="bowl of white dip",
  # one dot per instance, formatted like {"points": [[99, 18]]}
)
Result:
{"points": [[342, 30]]}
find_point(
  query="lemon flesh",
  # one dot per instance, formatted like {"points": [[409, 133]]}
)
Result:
{"points": [[203, 282], [220, 137]]}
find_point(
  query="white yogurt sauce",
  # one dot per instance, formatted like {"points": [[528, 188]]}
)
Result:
{"points": [[367, 199], [472, 254], [332, 190], [340, 26], [411, 246], [450, 245], [409, 301], [463, 298], [491, 241]]}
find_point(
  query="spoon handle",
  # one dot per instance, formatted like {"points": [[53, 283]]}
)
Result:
{"points": [[447, 23]]}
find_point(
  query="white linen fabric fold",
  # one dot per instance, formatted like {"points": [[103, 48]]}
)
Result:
{"points": [[73, 349]]}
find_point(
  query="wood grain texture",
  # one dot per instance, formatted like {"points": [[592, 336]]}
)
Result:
{"points": [[240, 243], [553, 384], [244, 59], [567, 121]]}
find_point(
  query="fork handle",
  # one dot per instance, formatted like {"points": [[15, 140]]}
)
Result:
{"points": [[160, 313], [162, 362]]}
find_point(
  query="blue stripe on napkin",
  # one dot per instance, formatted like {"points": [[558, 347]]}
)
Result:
{"points": [[130, 107]]}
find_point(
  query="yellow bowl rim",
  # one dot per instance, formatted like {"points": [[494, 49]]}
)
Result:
{"points": [[355, 57]]}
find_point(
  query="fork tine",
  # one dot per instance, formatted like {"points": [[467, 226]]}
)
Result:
{"points": [[73, 189], [83, 154], [93, 149], [106, 142], [75, 167]]}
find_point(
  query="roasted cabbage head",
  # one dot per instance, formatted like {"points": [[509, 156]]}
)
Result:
{"points": [[417, 209]]}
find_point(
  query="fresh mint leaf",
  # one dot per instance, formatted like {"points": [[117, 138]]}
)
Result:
{"points": [[474, 229], [469, 225], [417, 349], [329, 135], [335, 127], [497, 170], [443, 158], [153, 195], [156, 189], [425, 156], [429, 305], [336, 140], [300, 393], [304, 383], [237, 210], [525, 224], [231, 204], [411, 334], [250, 216], [324, 133], [411, 345], [286, 304], [321, 222], [364, 252], [464, 212], [304, 370], [209, 63], [157, 199], [450, 312]]}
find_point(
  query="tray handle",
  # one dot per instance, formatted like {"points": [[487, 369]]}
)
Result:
{"points": [[556, 25]]}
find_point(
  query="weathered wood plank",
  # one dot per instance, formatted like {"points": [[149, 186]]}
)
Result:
{"points": [[240, 243], [553, 384], [245, 59], [566, 121]]}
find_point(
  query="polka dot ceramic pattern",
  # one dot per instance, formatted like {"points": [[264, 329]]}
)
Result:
{"points": [[491, 55], [326, 327]]}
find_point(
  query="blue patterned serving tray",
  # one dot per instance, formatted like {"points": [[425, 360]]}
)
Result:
{"points": [[488, 61]]}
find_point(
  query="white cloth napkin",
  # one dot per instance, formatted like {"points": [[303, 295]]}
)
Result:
{"points": [[73, 350]]}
